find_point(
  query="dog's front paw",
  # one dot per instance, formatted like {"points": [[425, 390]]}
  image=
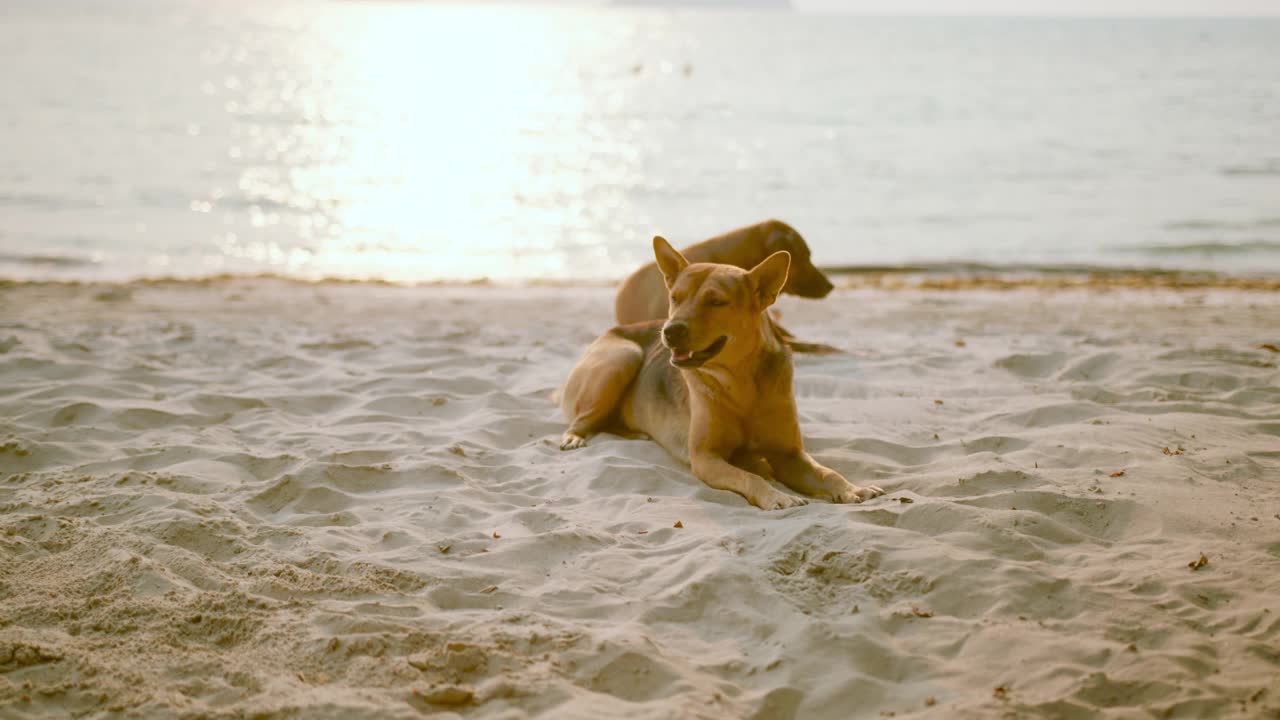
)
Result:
{"points": [[777, 501], [571, 441], [854, 494]]}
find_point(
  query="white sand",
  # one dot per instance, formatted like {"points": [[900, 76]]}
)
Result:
{"points": [[262, 499]]}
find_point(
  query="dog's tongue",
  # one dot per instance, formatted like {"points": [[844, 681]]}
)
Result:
{"points": [[681, 357]]}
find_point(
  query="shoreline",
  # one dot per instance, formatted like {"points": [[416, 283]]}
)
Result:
{"points": [[916, 276]]}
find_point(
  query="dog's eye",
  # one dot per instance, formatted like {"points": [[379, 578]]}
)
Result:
{"points": [[717, 302]]}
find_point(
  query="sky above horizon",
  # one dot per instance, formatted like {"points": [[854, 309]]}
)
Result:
{"points": [[1046, 7]]}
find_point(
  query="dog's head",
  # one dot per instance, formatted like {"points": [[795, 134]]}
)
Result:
{"points": [[713, 305], [804, 280]]}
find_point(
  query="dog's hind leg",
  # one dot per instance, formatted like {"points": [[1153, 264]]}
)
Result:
{"points": [[594, 389]]}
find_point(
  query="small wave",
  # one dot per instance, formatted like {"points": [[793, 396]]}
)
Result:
{"points": [[1270, 167], [1200, 224], [59, 261], [1208, 248], [961, 267], [40, 201]]}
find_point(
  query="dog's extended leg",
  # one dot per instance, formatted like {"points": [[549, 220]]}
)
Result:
{"points": [[721, 475], [802, 473], [596, 385]]}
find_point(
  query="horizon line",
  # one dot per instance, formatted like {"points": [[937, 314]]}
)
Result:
{"points": [[802, 9]]}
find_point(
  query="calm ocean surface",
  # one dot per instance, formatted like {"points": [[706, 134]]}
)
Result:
{"points": [[415, 142]]}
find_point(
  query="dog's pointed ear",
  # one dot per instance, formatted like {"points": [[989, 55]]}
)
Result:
{"points": [[769, 276], [670, 261]]}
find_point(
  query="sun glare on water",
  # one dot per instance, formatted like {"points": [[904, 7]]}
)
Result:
{"points": [[431, 143]]}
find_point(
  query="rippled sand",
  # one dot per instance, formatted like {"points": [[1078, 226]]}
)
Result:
{"points": [[258, 498]]}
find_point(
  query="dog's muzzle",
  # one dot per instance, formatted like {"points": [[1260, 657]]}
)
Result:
{"points": [[693, 359]]}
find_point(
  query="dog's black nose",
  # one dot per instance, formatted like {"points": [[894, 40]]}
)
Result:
{"points": [[825, 287], [676, 334]]}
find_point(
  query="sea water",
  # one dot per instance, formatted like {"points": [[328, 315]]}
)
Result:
{"points": [[424, 141]]}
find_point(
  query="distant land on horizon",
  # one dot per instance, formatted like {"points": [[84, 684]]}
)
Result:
{"points": [[771, 4]]}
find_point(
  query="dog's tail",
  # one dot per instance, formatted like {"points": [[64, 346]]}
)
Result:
{"points": [[800, 346]]}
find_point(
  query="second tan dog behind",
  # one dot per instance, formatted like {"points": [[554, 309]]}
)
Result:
{"points": [[643, 295], [711, 384]]}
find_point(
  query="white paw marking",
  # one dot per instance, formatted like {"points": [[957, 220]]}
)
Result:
{"points": [[779, 501], [572, 442], [855, 494]]}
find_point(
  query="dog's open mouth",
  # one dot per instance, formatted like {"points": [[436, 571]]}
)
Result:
{"points": [[691, 359]]}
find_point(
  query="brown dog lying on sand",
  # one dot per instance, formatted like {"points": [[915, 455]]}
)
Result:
{"points": [[643, 296], [711, 384]]}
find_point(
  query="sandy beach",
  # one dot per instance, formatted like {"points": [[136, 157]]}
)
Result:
{"points": [[268, 499]]}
